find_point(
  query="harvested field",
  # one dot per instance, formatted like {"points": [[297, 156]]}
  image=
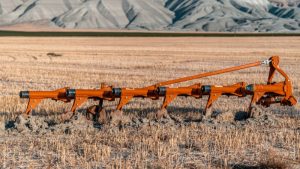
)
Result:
{"points": [[271, 139]]}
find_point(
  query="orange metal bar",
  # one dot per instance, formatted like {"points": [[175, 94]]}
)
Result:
{"points": [[184, 79], [35, 97], [171, 93], [82, 95], [215, 92], [138, 92], [277, 88], [185, 91]]}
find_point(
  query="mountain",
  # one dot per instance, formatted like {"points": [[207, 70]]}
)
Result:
{"points": [[175, 15], [234, 16], [130, 14]]}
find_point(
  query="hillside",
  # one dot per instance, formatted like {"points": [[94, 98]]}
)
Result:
{"points": [[178, 15]]}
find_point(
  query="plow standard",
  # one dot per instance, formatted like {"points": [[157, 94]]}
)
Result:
{"points": [[262, 94]]}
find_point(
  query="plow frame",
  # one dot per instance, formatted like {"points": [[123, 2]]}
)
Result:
{"points": [[262, 94]]}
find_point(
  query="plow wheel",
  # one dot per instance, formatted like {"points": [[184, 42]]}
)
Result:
{"points": [[95, 113]]}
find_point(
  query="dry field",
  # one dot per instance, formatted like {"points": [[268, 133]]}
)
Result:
{"points": [[271, 139]]}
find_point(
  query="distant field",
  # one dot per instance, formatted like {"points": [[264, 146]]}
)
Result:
{"points": [[28, 63], [138, 34]]}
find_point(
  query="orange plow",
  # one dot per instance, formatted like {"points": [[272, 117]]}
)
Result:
{"points": [[262, 94]]}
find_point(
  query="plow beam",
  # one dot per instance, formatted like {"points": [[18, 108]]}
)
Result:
{"points": [[170, 94], [215, 92], [82, 95], [126, 94], [262, 94], [35, 97]]}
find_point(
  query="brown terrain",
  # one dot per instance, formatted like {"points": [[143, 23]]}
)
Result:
{"points": [[269, 140]]}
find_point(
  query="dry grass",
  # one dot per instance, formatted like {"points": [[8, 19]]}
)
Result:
{"points": [[269, 141]]}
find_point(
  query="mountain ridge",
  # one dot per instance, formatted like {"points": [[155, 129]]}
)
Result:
{"points": [[157, 15]]}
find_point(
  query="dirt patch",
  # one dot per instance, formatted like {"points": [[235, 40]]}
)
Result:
{"points": [[40, 125], [75, 124], [25, 124], [116, 119]]}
